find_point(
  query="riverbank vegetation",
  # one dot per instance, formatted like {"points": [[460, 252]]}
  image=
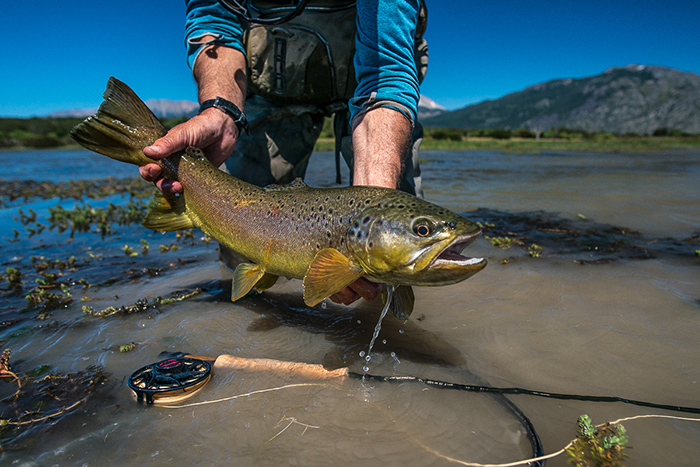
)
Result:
{"points": [[54, 132], [527, 141], [46, 132]]}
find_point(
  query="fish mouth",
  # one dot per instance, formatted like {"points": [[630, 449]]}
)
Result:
{"points": [[451, 257]]}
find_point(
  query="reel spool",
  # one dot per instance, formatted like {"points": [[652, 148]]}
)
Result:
{"points": [[170, 380]]}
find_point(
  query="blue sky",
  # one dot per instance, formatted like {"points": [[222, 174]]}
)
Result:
{"points": [[58, 54]]}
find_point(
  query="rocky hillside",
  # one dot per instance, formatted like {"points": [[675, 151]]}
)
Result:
{"points": [[633, 99]]}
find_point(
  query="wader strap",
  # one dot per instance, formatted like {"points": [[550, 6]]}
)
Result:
{"points": [[340, 121]]}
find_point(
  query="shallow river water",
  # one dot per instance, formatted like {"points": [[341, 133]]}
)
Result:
{"points": [[578, 319]]}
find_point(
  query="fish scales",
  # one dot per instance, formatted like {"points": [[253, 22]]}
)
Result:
{"points": [[327, 237]]}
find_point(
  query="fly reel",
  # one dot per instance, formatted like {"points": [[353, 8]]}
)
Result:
{"points": [[170, 380]]}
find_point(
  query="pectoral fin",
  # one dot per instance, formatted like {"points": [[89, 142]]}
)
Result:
{"points": [[328, 273], [168, 214], [245, 277], [402, 301]]}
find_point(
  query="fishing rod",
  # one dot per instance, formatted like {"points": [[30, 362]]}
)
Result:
{"points": [[180, 376]]}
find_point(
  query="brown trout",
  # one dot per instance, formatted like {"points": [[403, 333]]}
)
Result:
{"points": [[327, 237]]}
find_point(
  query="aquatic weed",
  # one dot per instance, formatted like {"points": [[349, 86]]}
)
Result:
{"points": [[44, 398], [141, 305], [598, 446]]}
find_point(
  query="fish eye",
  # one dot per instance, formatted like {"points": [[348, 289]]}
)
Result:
{"points": [[422, 227]]}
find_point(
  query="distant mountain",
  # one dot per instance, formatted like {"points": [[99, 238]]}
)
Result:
{"points": [[429, 108], [163, 108], [632, 99]]}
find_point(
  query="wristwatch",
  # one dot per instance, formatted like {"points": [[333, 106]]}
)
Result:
{"points": [[230, 109]]}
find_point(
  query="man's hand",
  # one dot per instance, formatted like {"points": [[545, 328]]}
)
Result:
{"points": [[212, 131], [219, 71], [361, 288]]}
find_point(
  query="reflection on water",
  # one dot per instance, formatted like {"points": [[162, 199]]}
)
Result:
{"points": [[625, 327]]}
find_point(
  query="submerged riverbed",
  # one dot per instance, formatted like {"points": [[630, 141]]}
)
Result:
{"points": [[592, 287]]}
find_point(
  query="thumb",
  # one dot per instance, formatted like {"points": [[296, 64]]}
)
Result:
{"points": [[162, 147]]}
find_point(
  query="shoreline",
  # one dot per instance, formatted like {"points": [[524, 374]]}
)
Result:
{"points": [[529, 145], [511, 145]]}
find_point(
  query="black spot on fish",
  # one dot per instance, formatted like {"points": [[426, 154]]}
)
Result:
{"points": [[371, 244], [359, 235], [365, 220], [356, 225]]}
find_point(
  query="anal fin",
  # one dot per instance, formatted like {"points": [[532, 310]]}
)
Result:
{"points": [[168, 214]]}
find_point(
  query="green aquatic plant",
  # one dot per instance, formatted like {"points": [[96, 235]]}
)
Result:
{"points": [[534, 250], [598, 446], [83, 216], [128, 251], [501, 242], [13, 277], [127, 347], [167, 248], [12, 190], [140, 306]]}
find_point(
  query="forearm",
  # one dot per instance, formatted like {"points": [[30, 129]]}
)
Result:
{"points": [[220, 72], [381, 139]]}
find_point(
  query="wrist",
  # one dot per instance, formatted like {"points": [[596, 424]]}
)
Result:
{"points": [[228, 108]]}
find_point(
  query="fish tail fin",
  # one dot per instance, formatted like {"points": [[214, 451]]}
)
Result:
{"points": [[122, 126]]}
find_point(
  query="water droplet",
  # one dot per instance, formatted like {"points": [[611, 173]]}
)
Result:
{"points": [[400, 331], [324, 304], [365, 369], [362, 353], [384, 341], [368, 358]]}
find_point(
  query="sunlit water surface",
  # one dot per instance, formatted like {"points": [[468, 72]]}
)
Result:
{"points": [[627, 328]]}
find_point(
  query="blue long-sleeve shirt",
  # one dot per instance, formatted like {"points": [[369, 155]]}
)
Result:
{"points": [[384, 58]]}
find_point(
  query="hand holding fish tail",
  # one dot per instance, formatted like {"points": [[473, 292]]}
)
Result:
{"points": [[212, 131]]}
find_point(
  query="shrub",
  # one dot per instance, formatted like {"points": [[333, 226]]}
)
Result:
{"points": [[450, 134]]}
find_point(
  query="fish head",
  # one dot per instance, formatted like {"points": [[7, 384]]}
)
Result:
{"points": [[403, 240]]}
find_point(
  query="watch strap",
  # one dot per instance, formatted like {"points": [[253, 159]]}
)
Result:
{"points": [[230, 109]]}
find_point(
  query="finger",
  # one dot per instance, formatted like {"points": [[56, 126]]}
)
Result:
{"points": [[168, 187], [345, 296], [150, 172], [366, 289]]}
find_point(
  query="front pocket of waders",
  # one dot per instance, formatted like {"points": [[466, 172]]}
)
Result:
{"points": [[290, 63]]}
